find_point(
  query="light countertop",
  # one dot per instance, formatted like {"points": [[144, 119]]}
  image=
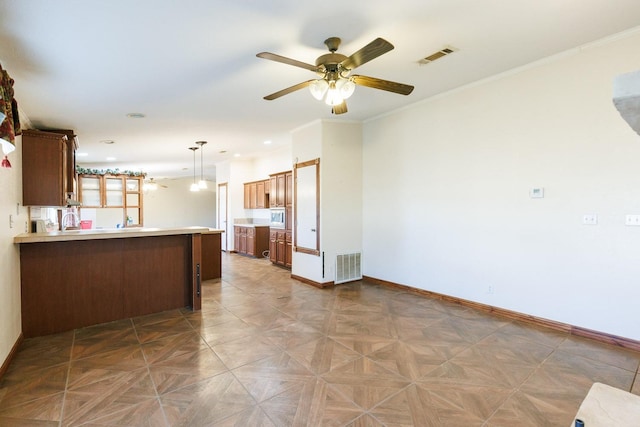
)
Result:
{"points": [[113, 233], [607, 406]]}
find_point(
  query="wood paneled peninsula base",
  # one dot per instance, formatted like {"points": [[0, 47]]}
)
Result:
{"points": [[79, 278]]}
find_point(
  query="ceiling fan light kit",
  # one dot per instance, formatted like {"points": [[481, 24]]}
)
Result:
{"points": [[202, 184], [336, 84], [194, 186]]}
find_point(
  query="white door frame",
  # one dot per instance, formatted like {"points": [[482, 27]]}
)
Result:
{"points": [[223, 213]]}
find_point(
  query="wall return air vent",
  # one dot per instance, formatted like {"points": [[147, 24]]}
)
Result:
{"points": [[348, 267], [437, 55]]}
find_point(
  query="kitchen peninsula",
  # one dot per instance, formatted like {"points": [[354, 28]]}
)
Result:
{"points": [[78, 278]]}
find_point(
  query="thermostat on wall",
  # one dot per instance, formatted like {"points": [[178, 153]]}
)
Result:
{"points": [[536, 193]]}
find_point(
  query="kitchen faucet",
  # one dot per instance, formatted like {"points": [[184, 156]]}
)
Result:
{"points": [[64, 217]]}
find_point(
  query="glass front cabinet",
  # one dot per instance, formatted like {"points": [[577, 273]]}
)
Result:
{"points": [[120, 194]]}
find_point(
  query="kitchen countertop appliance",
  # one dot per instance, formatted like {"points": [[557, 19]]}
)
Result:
{"points": [[277, 218]]}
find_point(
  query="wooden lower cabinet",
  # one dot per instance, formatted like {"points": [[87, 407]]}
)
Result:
{"points": [[211, 256], [280, 247], [251, 240], [72, 284], [288, 252]]}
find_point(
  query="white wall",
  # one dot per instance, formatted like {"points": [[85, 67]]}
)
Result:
{"points": [[446, 193], [176, 206], [238, 171], [276, 161], [339, 147], [306, 144], [10, 197], [341, 182]]}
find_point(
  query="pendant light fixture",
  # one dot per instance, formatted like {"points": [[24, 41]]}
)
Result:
{"points": [[202, 184], [194, 186]]}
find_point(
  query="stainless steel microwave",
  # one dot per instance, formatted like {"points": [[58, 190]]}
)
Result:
{"points": [[277, 218]]}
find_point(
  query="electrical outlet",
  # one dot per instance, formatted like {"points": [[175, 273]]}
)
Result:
{"points": [[490, 289], [590, 219], [632, 220], [10, 221]]}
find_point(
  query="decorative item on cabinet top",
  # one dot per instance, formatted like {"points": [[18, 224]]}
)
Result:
{"points": [[115, 171]]}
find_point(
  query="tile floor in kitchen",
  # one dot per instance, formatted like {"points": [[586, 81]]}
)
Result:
{"points": [[267, 350]]}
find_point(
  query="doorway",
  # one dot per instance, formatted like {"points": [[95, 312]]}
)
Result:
{"points": [[222, 214]]}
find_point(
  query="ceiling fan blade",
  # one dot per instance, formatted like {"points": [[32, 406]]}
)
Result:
{"points": [[371, 51], [285, 60], [387, 85], [288, 90], [340, 108]]}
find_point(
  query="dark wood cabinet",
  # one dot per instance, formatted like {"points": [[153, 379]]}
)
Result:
{"points": [[211, 256], [240, 239], [281, 196], [288, 250], [45, 168], [72, 146], [273, 246], [73, 284], [251, 240], [280, 247]]}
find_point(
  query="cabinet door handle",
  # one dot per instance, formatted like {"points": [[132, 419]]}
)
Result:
{"points": [[198, 280]]}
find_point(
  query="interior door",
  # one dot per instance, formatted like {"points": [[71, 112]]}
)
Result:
{"points": [[222, 214]]}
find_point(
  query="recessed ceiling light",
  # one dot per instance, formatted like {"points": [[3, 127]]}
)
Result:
{"points": [[110, 159], [107, 141], [136, 115], [236, 155], [82, 154], [267, 142]]}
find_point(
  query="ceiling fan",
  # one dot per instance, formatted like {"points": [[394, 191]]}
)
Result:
{"points": [[336, 83], [151, 184]]}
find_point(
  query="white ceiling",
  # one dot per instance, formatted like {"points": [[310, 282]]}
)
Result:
{"points": [[190, 65]]}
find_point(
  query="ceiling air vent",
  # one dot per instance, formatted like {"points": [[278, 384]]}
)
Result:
{"points": [[439, 54]]}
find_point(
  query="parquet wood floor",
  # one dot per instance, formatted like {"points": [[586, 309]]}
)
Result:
{"points": [[266, 350]]}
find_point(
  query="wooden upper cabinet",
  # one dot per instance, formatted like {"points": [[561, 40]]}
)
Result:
{"points": [[256, 195], [44, 168], [273, 191], [133, 201], [90, 191], [281, 189], [288, 192], [72, 146], [260, 195], [247, 195], [113, 191]]}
